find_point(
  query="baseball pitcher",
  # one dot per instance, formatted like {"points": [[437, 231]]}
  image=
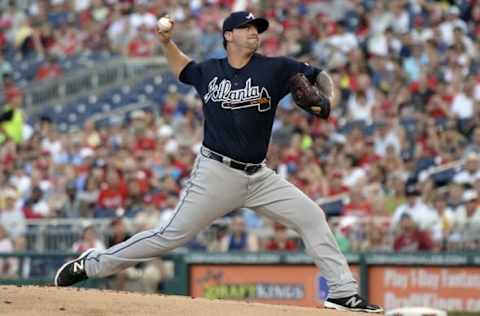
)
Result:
{"points": [[240, 94]]}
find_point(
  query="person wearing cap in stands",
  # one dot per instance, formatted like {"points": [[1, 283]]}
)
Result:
{"points": [[469, 221], [470, 171], [410, 237], [280, 241], [424, 216], [12, 217], [469, 213]]}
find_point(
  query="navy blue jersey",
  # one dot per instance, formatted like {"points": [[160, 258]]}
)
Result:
{"points": [[239, 104]]}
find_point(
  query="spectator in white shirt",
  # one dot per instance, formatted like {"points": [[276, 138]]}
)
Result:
{"points": [[470, 171], [420, 33], [462, 39], [474, 146], [360, 107], [445, 221], [466, 235], [9, 265], [468, 215], [142, 18], [21, 181], [400, 18], [463, 103], [379, 18], [354, 175], [452, 21], [385, 135], [424, 216], [119, 31], [36, 206], [81, 5], [12, 217], [52, 143], [343, 40]]}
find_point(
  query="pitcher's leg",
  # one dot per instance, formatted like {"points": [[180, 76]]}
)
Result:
{"points": [[278, 199], [211, 192]]}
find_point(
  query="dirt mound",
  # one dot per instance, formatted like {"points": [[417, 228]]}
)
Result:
{"points": [[34, 300]]}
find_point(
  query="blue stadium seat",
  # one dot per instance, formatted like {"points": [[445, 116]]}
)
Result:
{"points": [[443, 177], [81, 108], [333, 208], [369, 129], [149, 88], [106, 107], [126, 89], [92, 99], [157, 82], [424, 164], [117, 98], [58, 108], [63, 127], [72, 117]]}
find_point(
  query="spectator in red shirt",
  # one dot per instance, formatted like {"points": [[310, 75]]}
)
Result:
{"points": [[410, 238], [44, 39], [280, 240], [68, 39], [142, 45], [358, 205], [368, 154], [113, 195], [335, 185], [3, 41], [144, 136], [49, 69]]}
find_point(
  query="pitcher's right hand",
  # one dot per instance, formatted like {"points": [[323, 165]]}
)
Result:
{"points": [[164, 28]]}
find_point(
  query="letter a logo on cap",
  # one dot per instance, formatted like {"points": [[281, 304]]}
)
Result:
{"points": [[250, 16]]}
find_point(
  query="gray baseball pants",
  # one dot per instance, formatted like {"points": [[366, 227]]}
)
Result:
{"points": [[215, 189]]}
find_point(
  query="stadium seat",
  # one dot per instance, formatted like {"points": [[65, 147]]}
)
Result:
{"points": [[424, 164], [443, 177], [333, 208]]}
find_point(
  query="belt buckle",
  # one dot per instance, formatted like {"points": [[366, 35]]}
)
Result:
{"points": [[226, 160], [251, 169]]}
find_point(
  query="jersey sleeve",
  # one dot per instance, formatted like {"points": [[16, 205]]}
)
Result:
{"points": [[191, 74], [293, 67]]}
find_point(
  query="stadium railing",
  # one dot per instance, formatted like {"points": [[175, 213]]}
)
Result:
{"points": [[94, 78]]}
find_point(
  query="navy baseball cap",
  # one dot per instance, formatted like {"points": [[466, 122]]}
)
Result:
{"points": [[240, 18]]}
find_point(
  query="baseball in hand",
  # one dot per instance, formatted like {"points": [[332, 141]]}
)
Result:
{"points": [[164, 24]]}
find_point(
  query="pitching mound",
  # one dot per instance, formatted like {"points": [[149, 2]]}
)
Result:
{"points": [[33, 300]]}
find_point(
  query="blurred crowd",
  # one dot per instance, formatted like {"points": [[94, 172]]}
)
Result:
{"points": [[407, 108]]}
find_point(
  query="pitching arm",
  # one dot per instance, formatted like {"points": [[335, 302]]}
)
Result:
{"points": [[176, 59]]}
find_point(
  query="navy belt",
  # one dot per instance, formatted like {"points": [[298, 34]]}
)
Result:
{"points": [[248, 168]]}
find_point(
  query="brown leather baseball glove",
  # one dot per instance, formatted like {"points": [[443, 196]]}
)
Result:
{"points": [[307, 95]]}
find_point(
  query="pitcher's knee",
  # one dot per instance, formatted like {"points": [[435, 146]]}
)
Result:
{"points": [[174, 238]]}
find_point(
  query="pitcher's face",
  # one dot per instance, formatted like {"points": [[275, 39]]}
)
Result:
{"points": [[245, 36]]}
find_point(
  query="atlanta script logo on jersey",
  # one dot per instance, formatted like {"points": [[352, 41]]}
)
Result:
{"points": [[246, 97]]}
